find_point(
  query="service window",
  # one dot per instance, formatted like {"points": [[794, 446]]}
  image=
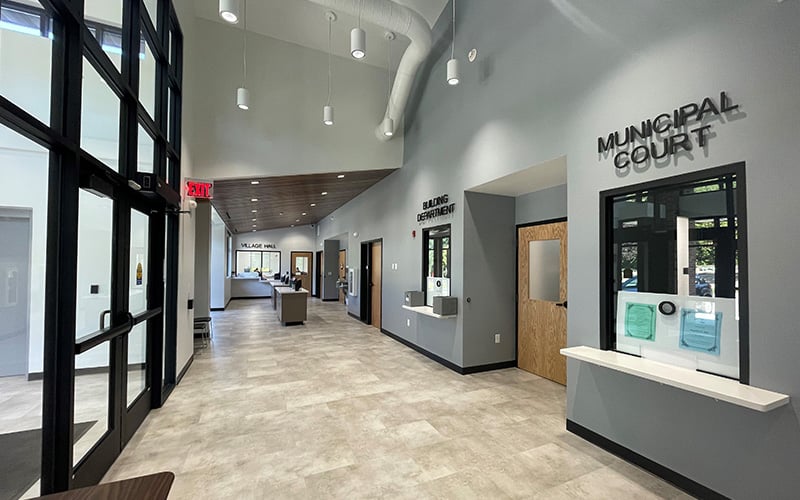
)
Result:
{"points": [[674, 274], [255, 261], [436, 262]]}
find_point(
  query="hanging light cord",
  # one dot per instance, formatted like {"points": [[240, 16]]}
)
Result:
{"points": [[244, 55], [389, 67], [453, 49], [329, 61], [360, 6]]}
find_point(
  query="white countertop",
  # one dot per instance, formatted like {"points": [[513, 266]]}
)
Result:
{"points": [[290, 291], [428, 311], [713, 386]]}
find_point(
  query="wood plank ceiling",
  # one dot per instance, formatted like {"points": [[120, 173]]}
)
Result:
{"points": [[282, 201]]}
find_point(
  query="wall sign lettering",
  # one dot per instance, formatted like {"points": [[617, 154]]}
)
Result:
{"points": [[666, 134], [200, 189], [436, 207], [258, 246]]}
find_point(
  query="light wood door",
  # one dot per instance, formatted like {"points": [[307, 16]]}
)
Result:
{"points": [[542, 300], [342, 273], [303, 268], [375, 283]]}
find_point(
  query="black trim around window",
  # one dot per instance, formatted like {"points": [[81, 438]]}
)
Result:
{"points": [[607, 305]]}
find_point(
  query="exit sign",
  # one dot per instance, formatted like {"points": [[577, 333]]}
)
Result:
{"points": [[200, 189]]}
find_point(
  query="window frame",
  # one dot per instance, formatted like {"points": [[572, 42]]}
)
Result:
{"points": [[438, 247], [606, 262]]}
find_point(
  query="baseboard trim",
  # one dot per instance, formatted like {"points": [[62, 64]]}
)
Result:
{"points": [[251, 297], [331, 300], [355, 317], [490, 367], [449, 364], [679, 480], [184, 370], [217, 309]]}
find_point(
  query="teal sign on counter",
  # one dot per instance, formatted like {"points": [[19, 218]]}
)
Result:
{"points": [[640, 321], [700, 331]]}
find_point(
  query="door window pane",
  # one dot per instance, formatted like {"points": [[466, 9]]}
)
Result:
{"points": [[152, 10], [137, 358], [545, 270], [23, 259], [92, 382], [147, 79], [25, 59], [145, 151], [95, 221], [140, 227], [99, 118]]}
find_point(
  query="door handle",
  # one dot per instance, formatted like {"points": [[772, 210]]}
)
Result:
{"points": [[562, 304], [103, 318]]}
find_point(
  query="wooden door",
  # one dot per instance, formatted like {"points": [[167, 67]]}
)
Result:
{"points": [[542, 302], [303, 268], [342, 273], [375, 283]]}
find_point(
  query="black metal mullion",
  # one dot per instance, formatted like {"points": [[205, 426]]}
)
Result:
{"points": [[58, 388], [155, 300]]}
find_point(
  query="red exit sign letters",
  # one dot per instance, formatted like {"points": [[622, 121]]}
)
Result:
{"points": [[199, 189]]}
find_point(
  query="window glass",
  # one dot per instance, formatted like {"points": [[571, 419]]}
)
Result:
{"points": [[23, 270], [99, 118], [250, 263], [145, 151], [107, 12], [147, 80], [677, 247], [151, 6], [436, 257], [25, 58]]}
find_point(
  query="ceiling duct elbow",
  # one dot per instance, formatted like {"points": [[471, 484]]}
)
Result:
{"points": [[404, 21]]}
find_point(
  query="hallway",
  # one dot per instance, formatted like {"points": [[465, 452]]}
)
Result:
{"points": [[334, 409]]}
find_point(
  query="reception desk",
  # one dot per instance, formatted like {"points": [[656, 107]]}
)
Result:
{"points": [[249, 288], [291, 304], [272, 285]]}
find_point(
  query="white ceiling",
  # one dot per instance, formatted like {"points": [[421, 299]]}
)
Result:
{"points": [[542, 176], [303, 23]]}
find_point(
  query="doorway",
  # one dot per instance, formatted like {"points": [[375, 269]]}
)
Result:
{"points": [[318, 282], [371, 282], [302, 268], [542, 299], [342, 275], [15, 277]]}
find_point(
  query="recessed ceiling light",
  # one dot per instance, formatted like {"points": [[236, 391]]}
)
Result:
{"points": [[280, 213], [254, 230], [254, 220], [313, 204], [254, 225], [324, 193], [292, 225], [255, 182], [254, 200], [298, 220], [254, 211], [303, 214], [340, 176]]}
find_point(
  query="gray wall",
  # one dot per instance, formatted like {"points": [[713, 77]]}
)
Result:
{"points": [[202, 259], [330, 265], [489, 279], [552, 77], [546, 204]]}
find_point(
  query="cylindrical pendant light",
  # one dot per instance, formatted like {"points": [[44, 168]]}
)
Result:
{"points": [[358, 39], [229, 10], [388, 127], [453, 75], [242, 94], [243, 98], [327, 110]]}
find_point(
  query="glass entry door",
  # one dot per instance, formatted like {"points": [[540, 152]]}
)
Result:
{"points": [[119, 309]]}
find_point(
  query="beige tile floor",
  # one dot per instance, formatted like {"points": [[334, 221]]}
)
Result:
{"points": [[334, 409]]}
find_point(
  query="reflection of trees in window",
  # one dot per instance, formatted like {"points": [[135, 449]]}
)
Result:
{"points": [[437, 257]]}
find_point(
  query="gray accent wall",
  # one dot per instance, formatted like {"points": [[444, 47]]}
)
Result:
{"points": [[551, 78], [202, 259], [330, 266], [546, 204], [489, 279]]}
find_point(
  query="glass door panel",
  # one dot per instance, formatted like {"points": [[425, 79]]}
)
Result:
{"points": [[92, 399], [137, 363]]}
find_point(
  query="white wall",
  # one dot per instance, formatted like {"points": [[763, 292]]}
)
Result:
{"points": [[283, 134], [220, 281], [286, 241]]}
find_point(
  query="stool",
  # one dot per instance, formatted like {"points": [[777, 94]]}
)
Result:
{"points": [[206, 329]]}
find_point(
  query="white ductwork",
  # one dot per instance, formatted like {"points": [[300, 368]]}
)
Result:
{"points": [[401, 20]]}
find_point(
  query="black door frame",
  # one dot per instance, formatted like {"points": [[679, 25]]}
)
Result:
{"points": [[365, 314], [318, 275], [74, 45]]}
